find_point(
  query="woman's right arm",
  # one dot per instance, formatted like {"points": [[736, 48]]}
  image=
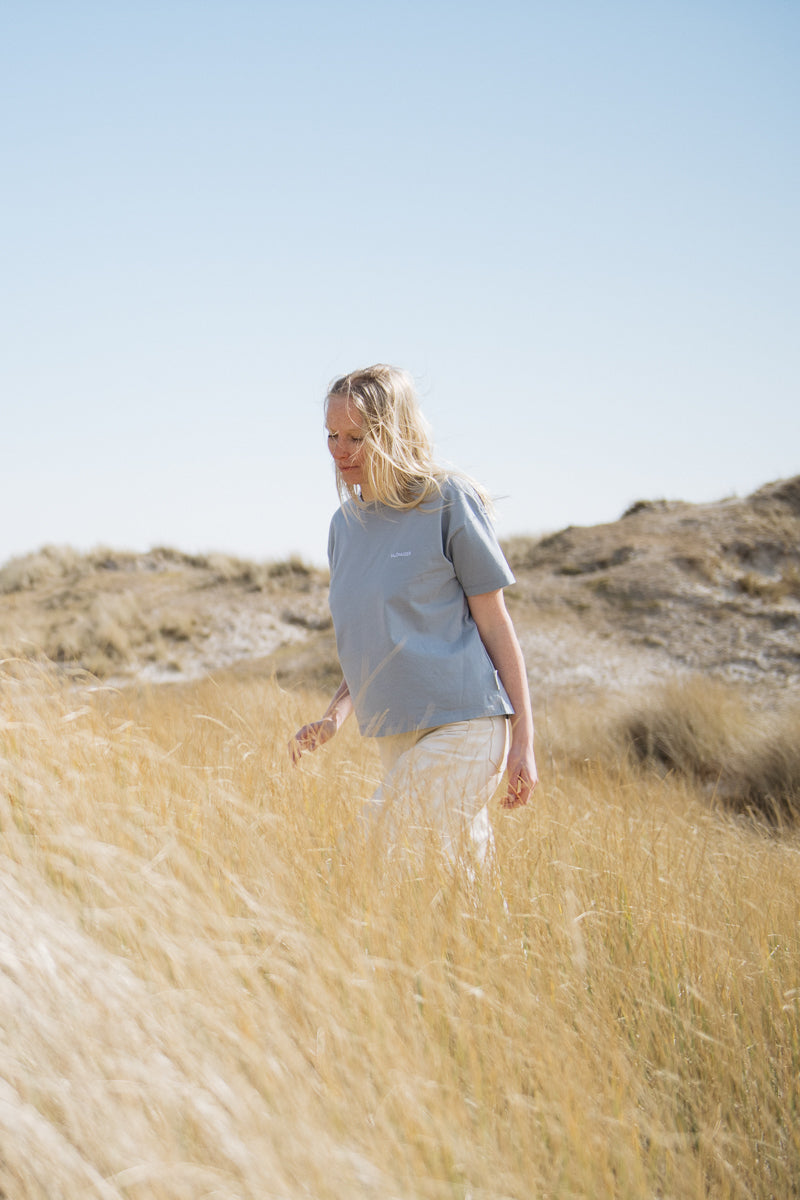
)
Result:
{"points": [[312, 736]]}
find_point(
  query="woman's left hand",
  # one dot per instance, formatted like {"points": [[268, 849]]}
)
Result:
{"points": [[522, 777]]}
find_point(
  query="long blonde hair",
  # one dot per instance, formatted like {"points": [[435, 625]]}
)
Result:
{"points": [[398, 462]]}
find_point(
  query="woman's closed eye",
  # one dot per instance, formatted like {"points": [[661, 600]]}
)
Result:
{"points": [[346, 439]]}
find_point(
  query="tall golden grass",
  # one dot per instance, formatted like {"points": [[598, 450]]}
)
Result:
{"points": [[201, 995]]}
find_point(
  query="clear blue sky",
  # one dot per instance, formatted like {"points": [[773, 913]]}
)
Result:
{"points": [[575, 222]]}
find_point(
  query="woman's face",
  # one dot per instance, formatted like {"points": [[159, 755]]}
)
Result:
{"points": [[346, 441]]}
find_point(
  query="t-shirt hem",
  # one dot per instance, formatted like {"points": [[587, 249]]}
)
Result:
{"points": [[431, 721]]}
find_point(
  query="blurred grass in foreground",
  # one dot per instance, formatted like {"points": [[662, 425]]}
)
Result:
{"points": [[201, 996]]}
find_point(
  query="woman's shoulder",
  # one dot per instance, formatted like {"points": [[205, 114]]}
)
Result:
{"points": [[347, 511], [342, 519], [454, 483], [459, 490]]}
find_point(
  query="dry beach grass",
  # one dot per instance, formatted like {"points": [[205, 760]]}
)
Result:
{"points": [[205, 992], [202, 997]]}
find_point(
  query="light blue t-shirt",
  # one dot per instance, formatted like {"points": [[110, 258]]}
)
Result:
{"points": [[408, 646]]}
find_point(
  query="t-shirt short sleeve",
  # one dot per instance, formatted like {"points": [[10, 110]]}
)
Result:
{"points": [[470, 541]]}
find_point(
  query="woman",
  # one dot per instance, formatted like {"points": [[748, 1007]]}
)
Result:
{"points": [[431, 663]]}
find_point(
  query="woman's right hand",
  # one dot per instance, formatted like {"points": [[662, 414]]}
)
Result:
{"points": [[311, 737]]}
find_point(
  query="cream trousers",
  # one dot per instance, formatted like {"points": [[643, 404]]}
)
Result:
{"points": [[440, 780]]}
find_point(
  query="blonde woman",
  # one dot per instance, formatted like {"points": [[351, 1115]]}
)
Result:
{"points": [[431, 663]]}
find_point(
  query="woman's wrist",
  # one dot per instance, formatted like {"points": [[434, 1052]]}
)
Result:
{"points": [[335, 716], [340, 707], [339, 710], [522, 731]]}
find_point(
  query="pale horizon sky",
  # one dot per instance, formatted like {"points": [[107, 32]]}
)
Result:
{"points": [[576, 224]]}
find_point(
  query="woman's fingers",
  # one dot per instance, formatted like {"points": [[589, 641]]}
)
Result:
{"points": [[303, 740], [520, 786], [310, 737]]}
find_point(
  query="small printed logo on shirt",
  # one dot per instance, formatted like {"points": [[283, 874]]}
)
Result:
{"points": [[400, 554]]}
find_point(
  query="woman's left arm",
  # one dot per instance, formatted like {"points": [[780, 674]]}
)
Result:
{"points": [[498, 635]]}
